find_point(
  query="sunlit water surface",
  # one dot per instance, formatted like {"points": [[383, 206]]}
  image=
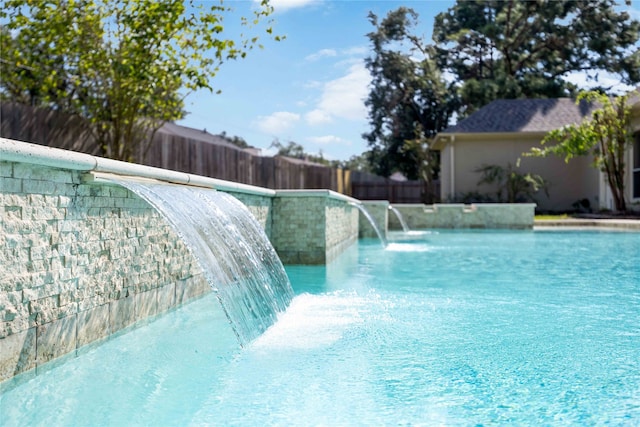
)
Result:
{"points": [[446, 328]]}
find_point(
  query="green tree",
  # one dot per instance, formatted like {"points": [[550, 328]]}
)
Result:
{"points": [[124, 66], [292, 149], [524, 49], [235, 140], [296, 151], [20, 82], [409, 101], [607, 135], [356, 163]]}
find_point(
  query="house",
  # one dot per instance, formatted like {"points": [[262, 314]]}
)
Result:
{"points": [[499, 133]]}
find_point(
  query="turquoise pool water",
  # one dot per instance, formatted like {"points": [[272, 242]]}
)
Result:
{"points": [[448, 328]]}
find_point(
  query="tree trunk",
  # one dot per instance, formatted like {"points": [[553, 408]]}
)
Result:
{"points": [[618, 195], [619, 200]]}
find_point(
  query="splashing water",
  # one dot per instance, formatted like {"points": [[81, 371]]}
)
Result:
{"points": [[236, 257]]}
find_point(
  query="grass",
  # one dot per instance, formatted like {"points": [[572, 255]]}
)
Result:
{"points": [[552, 217]]}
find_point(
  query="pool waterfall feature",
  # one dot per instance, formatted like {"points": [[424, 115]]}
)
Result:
{"points": [[370, 223], [231, 248], [83, 259], [400, 218]]}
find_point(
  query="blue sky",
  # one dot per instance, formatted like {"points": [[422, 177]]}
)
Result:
{"points": [[309, 88]]}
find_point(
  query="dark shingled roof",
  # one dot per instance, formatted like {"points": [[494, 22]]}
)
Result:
{"points": [[523, 115]]}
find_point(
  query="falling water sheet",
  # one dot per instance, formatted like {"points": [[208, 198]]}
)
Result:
{"points": [[232, 249]]}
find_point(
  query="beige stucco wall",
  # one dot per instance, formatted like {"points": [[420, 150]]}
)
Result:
{"points": [[568, 182], [461, 154]]}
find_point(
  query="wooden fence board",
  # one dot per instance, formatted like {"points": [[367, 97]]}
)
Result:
{"points": [[46, 127]]}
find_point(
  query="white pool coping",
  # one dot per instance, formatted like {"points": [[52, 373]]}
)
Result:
{"points": [[24, 152], [100, 169], [330, 194], [586, 223]]}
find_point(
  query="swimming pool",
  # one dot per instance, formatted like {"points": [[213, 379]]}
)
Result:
{"points": [[446, 328]]}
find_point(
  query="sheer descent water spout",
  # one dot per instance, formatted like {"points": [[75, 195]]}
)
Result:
{"points": [[234, 253], [398, 215], [369, 218]]}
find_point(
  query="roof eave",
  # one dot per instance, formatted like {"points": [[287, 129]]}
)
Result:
{"points": [[442, 139]]}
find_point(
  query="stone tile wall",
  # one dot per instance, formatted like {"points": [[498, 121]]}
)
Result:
{"points": [[341, 227], [259, 206], [487, 215], [79, 262], [300, 239], [414, 215], [312, 227]]}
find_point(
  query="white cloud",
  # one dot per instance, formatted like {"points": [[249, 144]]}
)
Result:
{"points": [[344, 97], [277, 122], [317, 117], [328, 139], [282, 5], [354, 53], [322, 53]]}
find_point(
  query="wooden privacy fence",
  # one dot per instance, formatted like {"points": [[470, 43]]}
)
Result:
{"points": [[45, 127], [237, 165], [396, 191], [192, 155]]}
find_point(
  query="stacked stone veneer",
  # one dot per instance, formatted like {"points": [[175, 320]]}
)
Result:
{"points": [[80, 262], [341, 227], [312, 227], [259, 206], [489, 215]]}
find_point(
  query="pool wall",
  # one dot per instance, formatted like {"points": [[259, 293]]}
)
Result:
{"points": [[80, 261], [314, 226], [454, 216], [82, 258]]}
